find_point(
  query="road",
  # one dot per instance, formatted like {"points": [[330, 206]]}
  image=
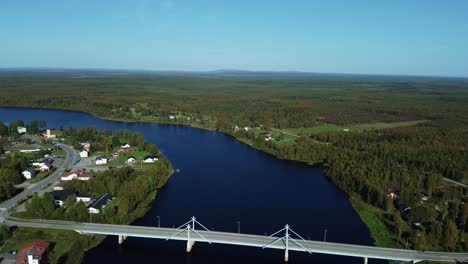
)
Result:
{"points": [[246, 240], [10, 203], [455, 182]]}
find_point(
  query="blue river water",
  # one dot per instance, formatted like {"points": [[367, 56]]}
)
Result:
{"points": [[227, 185]]}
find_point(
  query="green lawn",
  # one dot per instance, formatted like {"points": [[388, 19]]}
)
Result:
{"points": [[352, 128]]}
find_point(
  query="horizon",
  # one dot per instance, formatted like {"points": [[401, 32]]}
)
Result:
{"points": [[223, 71], [398, 38]]}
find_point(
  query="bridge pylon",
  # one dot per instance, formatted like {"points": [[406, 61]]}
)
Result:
{"points": [[286, 239], [189, 227]]}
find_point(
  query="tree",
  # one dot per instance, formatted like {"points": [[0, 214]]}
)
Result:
{"points": [[450, 237], [398, 221]]}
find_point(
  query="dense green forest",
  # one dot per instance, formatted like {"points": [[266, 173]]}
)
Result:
{"points": [[411, 160]]}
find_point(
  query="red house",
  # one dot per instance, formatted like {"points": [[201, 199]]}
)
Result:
{"points": [[127, 150], [34, 252]]}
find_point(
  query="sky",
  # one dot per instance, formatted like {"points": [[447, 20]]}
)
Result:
{"points": [[410, 37]]}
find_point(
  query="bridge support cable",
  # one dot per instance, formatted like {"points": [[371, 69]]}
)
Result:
{"points": [[190, 227], [286, 239]]}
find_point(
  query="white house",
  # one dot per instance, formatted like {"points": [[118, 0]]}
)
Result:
{"points": [[21, 130], [101, 202], [101, 161], [29, 150], [84, 153], [28, 173], [172, 116], [45, 167], [83, 198], [85, 145], [78, 175], [126, 145], [150, 159], [131, 159], [48, 135]]}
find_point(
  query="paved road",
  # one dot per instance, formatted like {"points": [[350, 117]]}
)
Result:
{"points": [[246, 240], [455, 182], [10, 203]]}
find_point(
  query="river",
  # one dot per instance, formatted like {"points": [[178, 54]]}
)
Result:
{"points": [[227, 185]]}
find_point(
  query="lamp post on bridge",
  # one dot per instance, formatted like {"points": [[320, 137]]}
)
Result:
{"points": [[325, 236], [238, 227], [159, 221]]}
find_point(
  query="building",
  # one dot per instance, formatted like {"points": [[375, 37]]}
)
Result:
{"points": [[61, 196], [21, 130], [85, 145], [76, 175], [115, 155], [150, 159], [49, 135], [33, 253], [127, 150], [101, 160], [83, 198], [84, 153], [45, 167], [266, 136], [29, 150], [390, 194], [28, 173], [125, 145], [131, 159], [99, 204], [59, 186]]}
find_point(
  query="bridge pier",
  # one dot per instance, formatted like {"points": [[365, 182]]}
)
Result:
{"points": [[365, 260], [121, 239], [190, 244]]}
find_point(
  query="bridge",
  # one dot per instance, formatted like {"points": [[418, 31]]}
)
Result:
{"points": [[285, 239]]}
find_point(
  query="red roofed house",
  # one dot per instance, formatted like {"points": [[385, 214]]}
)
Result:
{"points": [[390, 194], [78, 174], [127, 150], [33, 253]]}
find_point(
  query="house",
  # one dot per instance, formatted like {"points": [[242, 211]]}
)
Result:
{"points": [[101, 160], [266, 136], [45, 167], [150, 159], [78, 175], [115, 155], [346, 130], [48, 135], [247, 128], [28, 173], [101, 202], [21, 130], [61, 196], [85, 145], [131, 159], [83, 198], [33, 253], [125, 145], [59, 186], [84, 153], [127, 150], [424, 198], [390, 194], [29, 150], [172, 116]]}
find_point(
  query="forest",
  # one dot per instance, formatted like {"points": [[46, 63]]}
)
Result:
{"points": [[412, 161]]}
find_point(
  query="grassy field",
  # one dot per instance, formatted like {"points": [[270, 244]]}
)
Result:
{"points": [[352, 127]]}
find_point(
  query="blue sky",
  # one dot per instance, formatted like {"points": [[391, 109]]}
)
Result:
{"points": [[420, 37]]}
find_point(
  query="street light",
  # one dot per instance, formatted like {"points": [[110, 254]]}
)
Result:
{"points": [[238, 227], [159, 221], [325, 236]]}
